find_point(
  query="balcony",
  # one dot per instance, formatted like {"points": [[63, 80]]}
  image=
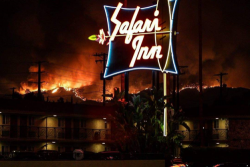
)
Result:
{"points": [[53, 133], [210, 134]]}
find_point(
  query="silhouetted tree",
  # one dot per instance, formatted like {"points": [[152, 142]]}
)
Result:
{"points": [[139, 123]]}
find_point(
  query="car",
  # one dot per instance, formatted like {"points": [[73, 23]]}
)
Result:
{"points": [[22, 155], [47, 154], [177, 162], [110, 155], [230, 164]]}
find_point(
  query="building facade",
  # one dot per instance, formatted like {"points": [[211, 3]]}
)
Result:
{"points": [[34, 126], [225, 118]]}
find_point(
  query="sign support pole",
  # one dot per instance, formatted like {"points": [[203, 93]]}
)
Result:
{"points": [[126, 86], [165, 130]]}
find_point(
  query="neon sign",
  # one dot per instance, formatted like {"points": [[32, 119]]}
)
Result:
{"points": [[139, 39]]}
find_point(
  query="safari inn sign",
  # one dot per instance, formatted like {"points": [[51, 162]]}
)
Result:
{"points": [[139, 38]]}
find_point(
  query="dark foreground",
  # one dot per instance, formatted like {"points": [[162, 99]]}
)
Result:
{"points": [[85, 163]]}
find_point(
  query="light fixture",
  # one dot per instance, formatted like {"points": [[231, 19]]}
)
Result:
{"points": [[54, 115], [203, 127], [53, 142], [0, 112], [216, 118], [103, 143], [217, 143], [104, 118]]}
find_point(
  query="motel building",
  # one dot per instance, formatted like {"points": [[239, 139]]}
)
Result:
{"points": [[36, 125], [226, 122]]}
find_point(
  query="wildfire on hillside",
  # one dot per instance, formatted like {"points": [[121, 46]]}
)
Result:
{"points": [[60, 83], [196, 86]]}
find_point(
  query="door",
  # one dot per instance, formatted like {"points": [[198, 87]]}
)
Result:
{"points": [[23, 126], [76, 128], [67, 128], [13, 126]]}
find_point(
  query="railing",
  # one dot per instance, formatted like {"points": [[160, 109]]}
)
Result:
{"points": [[210, 134], [31, 132], [219, 134], [188, 135]]}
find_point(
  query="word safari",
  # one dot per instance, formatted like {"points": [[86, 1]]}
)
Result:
{"points": [[138, 28]]}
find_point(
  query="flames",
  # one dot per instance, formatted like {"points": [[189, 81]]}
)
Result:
{"points": [[85, 85], [196, 86], [57, 77], [55, 90]]}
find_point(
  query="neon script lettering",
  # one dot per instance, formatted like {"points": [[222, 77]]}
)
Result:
{"points": [[137, 27]]}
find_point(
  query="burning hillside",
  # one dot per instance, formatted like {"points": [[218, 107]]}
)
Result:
{"points": [[68, 84], [57, 80]]}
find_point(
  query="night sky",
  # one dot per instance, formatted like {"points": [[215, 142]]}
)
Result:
{"points": [[57, 31]]}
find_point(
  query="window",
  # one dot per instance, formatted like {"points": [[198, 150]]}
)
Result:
{"points": [[60, 122], [6, 119], [83, 123], [31, 121], [216, 124]]}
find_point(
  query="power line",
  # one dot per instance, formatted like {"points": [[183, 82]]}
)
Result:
{"points": [[103, 61]]}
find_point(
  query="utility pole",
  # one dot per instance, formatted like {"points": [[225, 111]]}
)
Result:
{"points": [[221, 85], [13, 91], [200, 72], [168, 86], [125, 76], [153, 79], [178, 86], [39, 79], [103, 60], [39, 82], [126, 86], [174, 93]]}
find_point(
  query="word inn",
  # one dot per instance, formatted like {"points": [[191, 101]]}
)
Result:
{"points": [[138, 28]]}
